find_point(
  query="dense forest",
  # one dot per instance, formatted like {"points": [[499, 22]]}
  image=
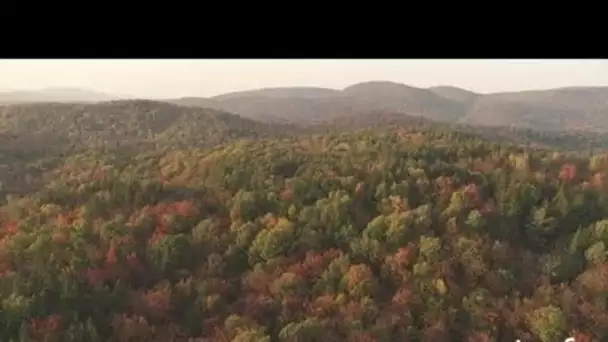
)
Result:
{"points": [[145, 221]]}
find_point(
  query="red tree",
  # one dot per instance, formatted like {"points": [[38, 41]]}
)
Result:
{"points": [[45, 329], [568, 172]]}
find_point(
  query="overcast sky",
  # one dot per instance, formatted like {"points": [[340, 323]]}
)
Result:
{"points": [[175, 78]]}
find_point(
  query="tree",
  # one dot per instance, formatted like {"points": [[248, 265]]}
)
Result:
{"points": [[270, 243], [548, 323], [360, 281], [309, 330]]}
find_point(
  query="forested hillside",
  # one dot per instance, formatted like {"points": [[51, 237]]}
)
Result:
{"points": [[120, 124], [381, 235], [142, 124], [34, 138], [560, 109], [579, 141]]}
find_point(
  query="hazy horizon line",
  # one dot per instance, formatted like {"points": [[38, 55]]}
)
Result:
{"points": [[248, 89], [161, 79]]}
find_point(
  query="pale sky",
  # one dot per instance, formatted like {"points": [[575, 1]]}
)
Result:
{"points": [[207, 77]]}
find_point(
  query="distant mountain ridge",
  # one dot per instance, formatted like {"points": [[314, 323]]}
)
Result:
{"points": [[282, 92], [455, 94], [56, 94], [569, 108], [560, 109]]}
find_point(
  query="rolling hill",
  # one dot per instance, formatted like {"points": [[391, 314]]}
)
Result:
{"points": [[554, 109], [577, 108], [126, 123], [573, 108], [40, 128], [303, 105], [397, 97], [36, 137], [373, 119], [455, 94], [284, 92]]}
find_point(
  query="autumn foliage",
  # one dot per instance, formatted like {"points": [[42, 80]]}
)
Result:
{"points": [[366, 237]]}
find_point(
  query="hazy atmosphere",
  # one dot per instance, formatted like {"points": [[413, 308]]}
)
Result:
{"points": [[332, 200], [176, 78]]}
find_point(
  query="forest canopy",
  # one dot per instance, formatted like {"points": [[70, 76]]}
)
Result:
{"points": [[388, 235]]}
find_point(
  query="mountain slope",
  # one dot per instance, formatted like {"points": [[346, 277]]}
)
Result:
{"points": [[455, 94], [397, 97], [375, 119], [555, 109], [282, 92], [576, 108], [121, 123], [307, 104]]}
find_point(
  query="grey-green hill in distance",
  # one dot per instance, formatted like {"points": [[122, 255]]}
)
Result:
{"points": [[574, 108], [63, 94], [455, 94], [563, 109]]}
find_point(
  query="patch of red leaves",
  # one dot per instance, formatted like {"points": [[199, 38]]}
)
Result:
{"points": [[568, 172], [158, 302], [161, 214], [46, 328], [314, 264], [95, 276], [111, 258], [10, 228], [287, 194]]}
